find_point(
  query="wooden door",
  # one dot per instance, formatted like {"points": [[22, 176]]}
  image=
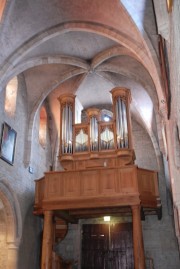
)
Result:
{"points": [[107, 246]]}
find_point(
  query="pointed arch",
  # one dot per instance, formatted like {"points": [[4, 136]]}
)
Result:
{"points": [[13, 222]]}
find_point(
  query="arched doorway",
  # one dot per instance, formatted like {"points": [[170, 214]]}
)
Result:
{"points": [[10, 227]]}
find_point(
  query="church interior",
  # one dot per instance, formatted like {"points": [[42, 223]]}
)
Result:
{"points": [[89, 134]]}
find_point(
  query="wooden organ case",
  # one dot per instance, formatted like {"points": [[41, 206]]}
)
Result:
{"points": [[99, 175]]}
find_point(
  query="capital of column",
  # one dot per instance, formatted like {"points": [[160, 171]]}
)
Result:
{"points": [[135, 208], [13, 245], [48, 213]]}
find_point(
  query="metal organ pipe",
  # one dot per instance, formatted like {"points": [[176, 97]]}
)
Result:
{"points": [[121, 124], [63, 131], [124, 115], [93, 133], [97, 134], [67, 107], [69, 138]]}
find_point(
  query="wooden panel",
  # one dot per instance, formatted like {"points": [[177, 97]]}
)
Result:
{"points": [[39, 191], [95, 163], [80, 165], [148, 188], [127, 180], [99, 163], [89, 183], [54, 185], [68, 165], [108, 184], [147, 181], [71, 184]]}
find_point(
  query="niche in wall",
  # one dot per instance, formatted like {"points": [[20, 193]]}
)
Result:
{"points": [[42, 127], [11, 96]]}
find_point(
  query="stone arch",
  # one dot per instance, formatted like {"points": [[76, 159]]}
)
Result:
{"points": [[58, 59], [97, 28], [13, 223], [28, 152], [150, 133], [138, 50]]}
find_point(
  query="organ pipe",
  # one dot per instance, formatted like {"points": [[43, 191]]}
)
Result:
{"points": [[121, 101], [67, 121], [93, 115], [95, 135]]}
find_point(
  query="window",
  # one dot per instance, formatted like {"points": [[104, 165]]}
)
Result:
{"points": [[11, 96], [2, 6], [106, 115], [43, 127]]}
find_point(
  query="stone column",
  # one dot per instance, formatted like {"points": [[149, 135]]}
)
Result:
{"points": [[138, 246], [12, 255], [46, 260]]}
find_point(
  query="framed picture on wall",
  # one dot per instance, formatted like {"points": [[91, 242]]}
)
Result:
{"points": [[8, 141]]}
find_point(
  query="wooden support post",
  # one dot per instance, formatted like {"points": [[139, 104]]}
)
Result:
{"points": [[46, 262], [139, 258]]}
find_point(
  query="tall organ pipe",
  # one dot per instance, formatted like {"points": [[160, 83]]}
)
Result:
{"points": [[67, 120], [121, 101], [125, 128], [119, 123], [93, 133]]}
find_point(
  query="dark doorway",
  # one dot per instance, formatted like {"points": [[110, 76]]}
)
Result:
{"points": [[107, 246]]}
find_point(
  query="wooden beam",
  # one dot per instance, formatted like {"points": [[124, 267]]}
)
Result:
{"points": [[65, 216]]}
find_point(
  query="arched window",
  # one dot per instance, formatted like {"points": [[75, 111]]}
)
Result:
{"points": [[106, 115], [11, 96], [2, 6], [43, 127]]}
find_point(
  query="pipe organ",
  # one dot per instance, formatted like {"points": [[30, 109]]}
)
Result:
{"points": [[99, 174], [97, 137]]}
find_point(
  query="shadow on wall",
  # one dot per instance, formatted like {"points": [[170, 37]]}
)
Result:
{"points": [[30, 247]]}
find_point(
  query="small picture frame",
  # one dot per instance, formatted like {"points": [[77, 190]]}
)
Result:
{"points": [[8, 141]]}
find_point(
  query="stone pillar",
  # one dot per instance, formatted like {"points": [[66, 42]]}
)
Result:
{"points": [[12, 255], [138, 246], [46, 260]]}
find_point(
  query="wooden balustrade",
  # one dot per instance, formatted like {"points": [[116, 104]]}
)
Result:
{"points": [[148, 188], [99, 188], [96, 187], [39, 194]]}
